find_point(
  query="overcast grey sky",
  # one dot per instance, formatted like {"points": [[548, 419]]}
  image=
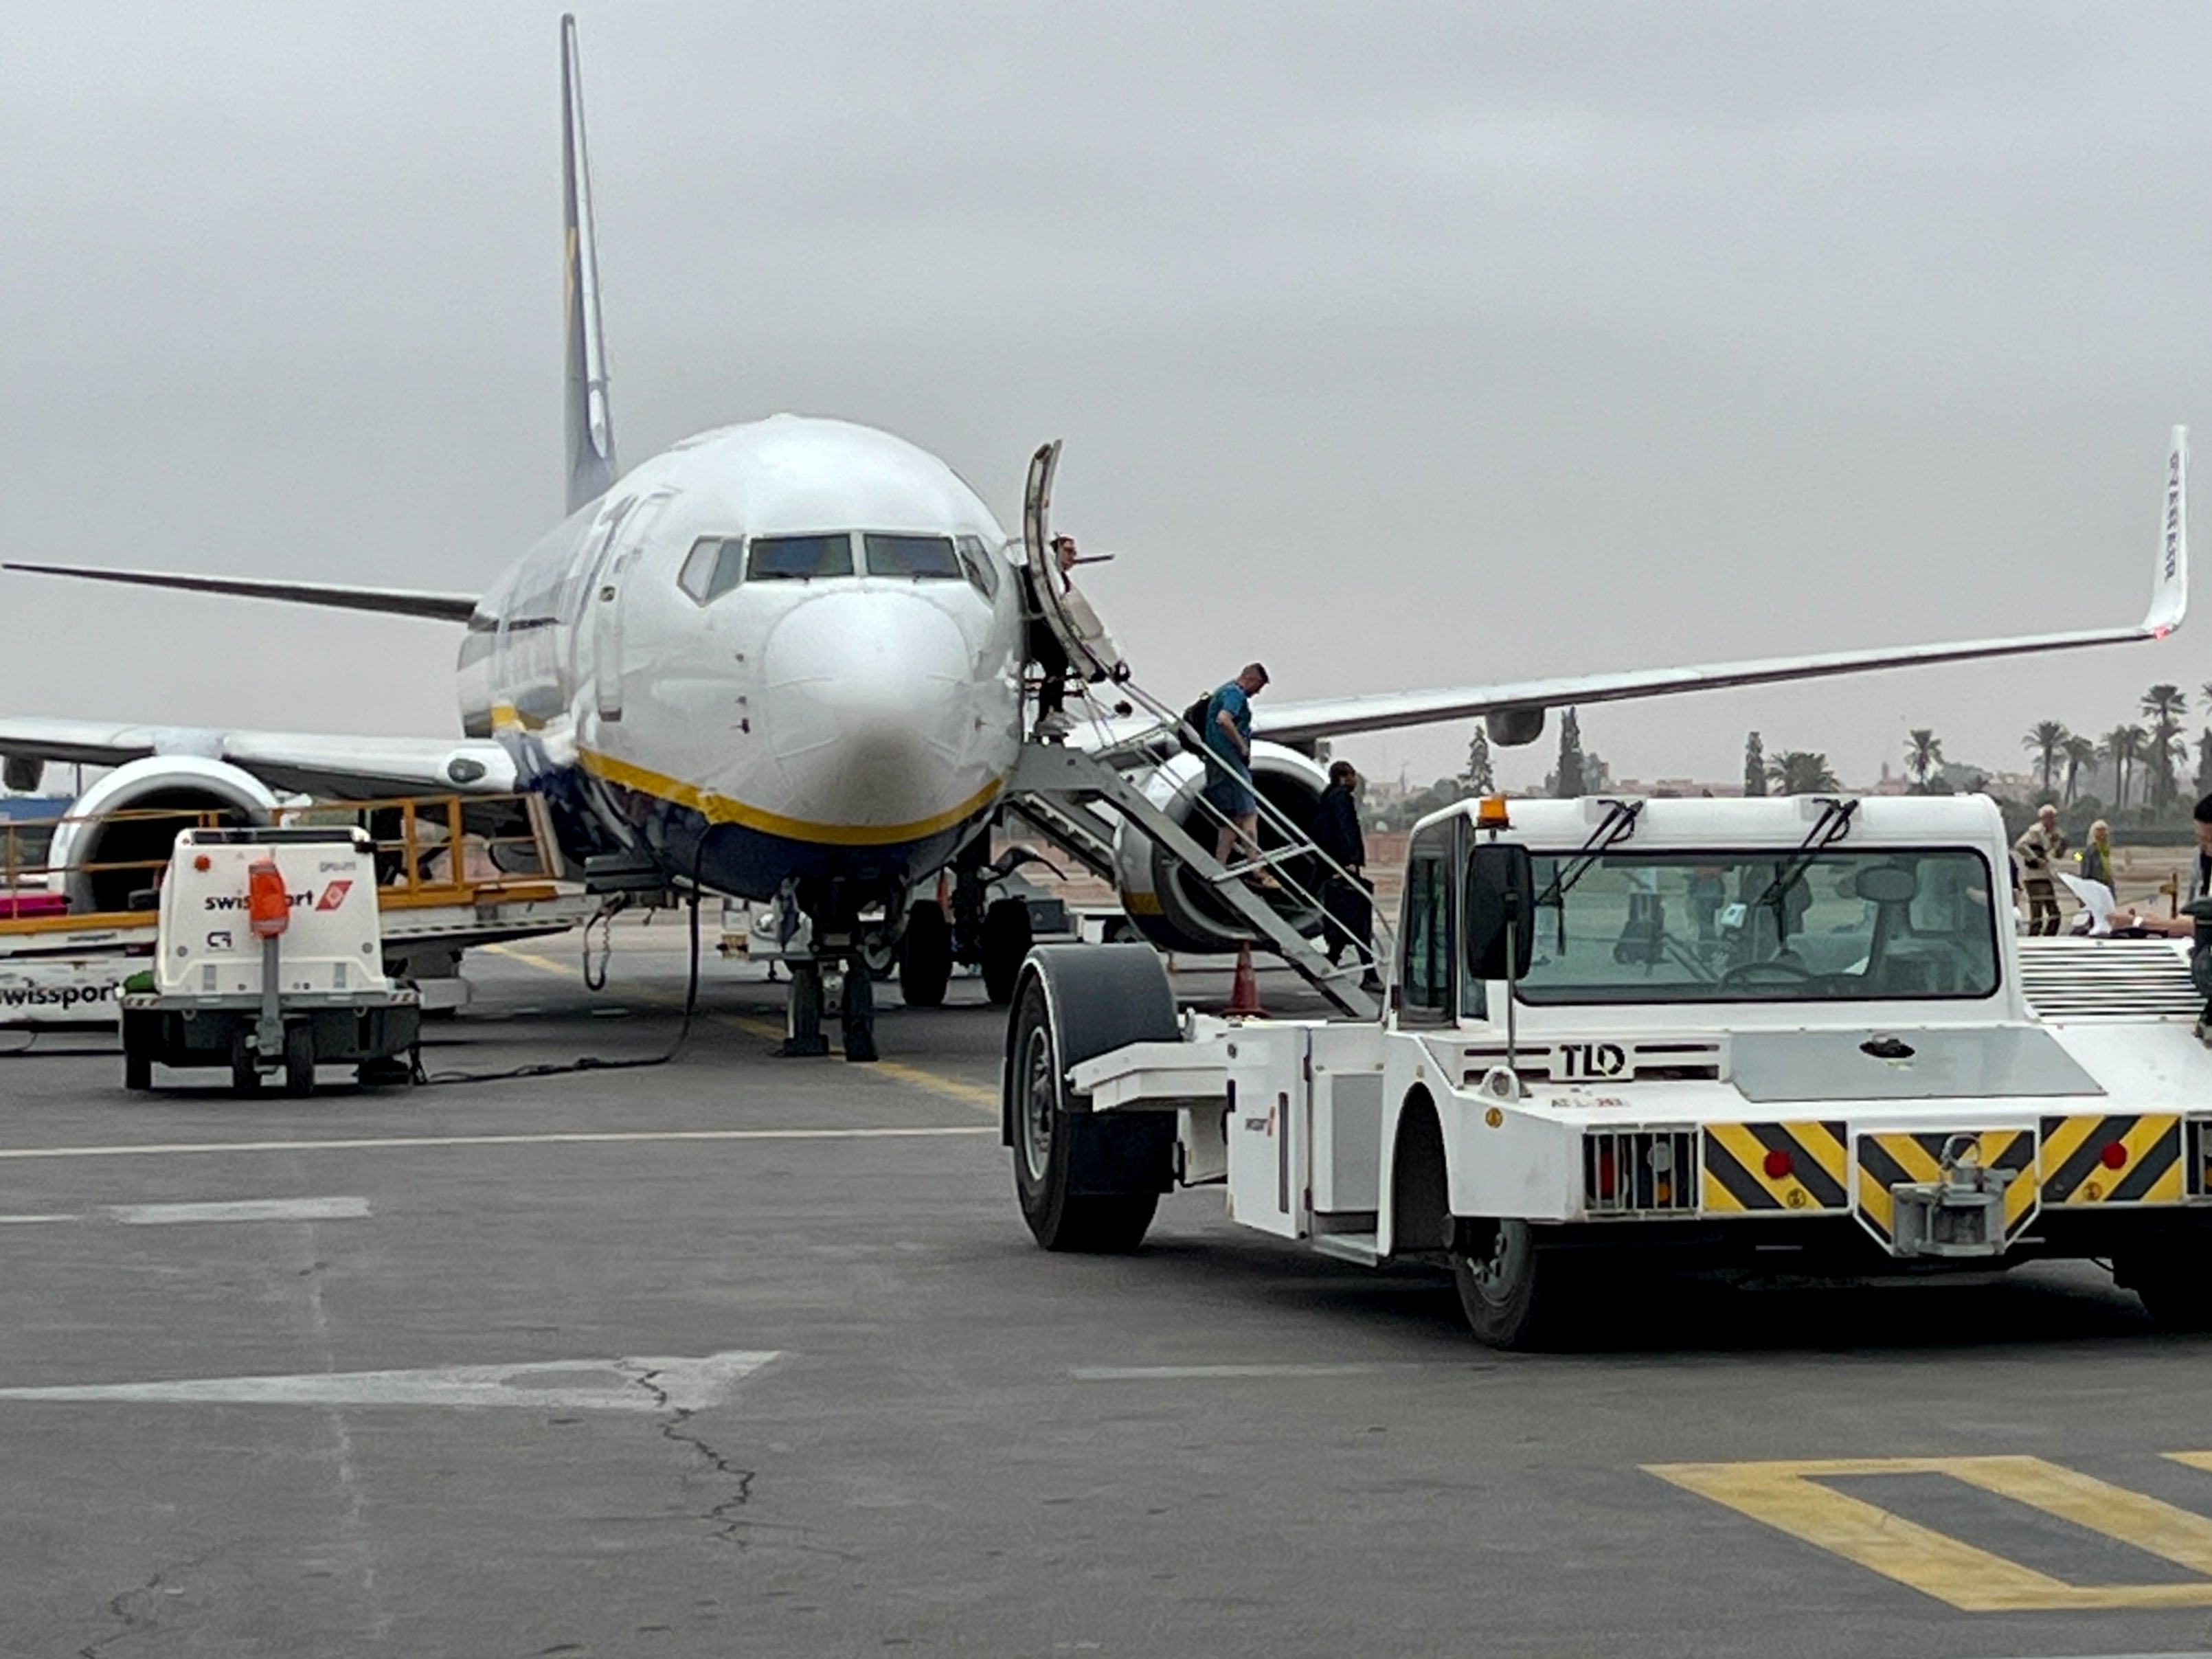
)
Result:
{"points": [[1402, 345]]}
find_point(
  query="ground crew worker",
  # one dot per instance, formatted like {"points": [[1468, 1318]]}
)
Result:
{"points": [[1346, 899], [1051, 658], [2040, 847], [2180, 927]]}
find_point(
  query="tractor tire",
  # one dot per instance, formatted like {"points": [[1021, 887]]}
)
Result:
{"points": [[1514, 1293], [1084, 1183]]}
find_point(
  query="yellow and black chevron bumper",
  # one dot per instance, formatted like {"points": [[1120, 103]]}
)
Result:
{"points": [[1775, 1167], [1898, 1157], [2111, 1159]]}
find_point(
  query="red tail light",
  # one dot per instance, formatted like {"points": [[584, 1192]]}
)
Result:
{"points": [[267, 903]]}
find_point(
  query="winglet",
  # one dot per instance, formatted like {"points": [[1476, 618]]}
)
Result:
{"points": [[2169, 594], [591, 424]]}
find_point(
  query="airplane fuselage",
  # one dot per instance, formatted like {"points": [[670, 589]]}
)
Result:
{"points": [[787, 649]]}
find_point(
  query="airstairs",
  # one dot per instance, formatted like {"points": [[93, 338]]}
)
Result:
{"points": [[1073, 795]]}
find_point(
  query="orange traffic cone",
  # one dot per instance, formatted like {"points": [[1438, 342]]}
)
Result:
{"points": [[1244, 988]]}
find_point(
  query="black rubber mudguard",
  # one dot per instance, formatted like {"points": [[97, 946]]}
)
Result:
{"points": [[1101, 996]]}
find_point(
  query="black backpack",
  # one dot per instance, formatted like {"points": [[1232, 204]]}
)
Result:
{"points": [[1194, 718]]}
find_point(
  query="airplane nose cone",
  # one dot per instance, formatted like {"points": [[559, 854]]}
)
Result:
{"points": [[868, 700]]}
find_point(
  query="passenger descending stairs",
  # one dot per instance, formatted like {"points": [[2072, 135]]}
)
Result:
{"points": [[1061, 792], [1071, 797]]}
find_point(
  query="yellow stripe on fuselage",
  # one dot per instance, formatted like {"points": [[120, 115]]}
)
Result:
{"points": [[720, 809]]}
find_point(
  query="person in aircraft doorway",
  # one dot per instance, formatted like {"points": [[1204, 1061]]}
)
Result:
{"points": [[1228, 791], [1051, 656], [1347, 900]]}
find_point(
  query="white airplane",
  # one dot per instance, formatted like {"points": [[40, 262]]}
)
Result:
{"points": [[786, 658]]}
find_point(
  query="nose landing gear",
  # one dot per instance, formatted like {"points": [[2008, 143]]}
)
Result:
{"points": [[837, 937]]}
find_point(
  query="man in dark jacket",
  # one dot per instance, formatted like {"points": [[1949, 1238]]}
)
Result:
{"points": [[1347, 901]]}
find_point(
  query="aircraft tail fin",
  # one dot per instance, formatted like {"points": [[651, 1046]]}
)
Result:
{"points": [[591, 423]]}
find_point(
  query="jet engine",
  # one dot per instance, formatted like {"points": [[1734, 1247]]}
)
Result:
{"points": [[1170, 906], [121, 830], [1509, 728]]}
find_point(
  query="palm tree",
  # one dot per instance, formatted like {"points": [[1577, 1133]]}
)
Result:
{"points": [[1801, 772], [2048, 738], [2166, 705], [2123, 747], [1924, 753], [2080, 751]]}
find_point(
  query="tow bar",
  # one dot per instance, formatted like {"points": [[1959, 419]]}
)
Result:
{"points": [[1961, 1214]]}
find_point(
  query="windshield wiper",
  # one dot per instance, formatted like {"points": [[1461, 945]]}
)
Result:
{"points": [[1835, 818], [1619, 824]]}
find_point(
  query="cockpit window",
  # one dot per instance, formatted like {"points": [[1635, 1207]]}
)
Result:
{"points": [[982, 570], [921, 557], [798, 558], [715, 566]]}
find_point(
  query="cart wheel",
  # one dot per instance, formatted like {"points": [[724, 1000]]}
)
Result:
{"points": [[1515, 1294], [300, 1060], [1084, 1182], [925, 956], [1007, 940], [137, 1058], [244, 1068]]}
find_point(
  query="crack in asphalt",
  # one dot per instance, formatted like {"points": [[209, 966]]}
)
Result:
{"points": [[742, 1532], [131, 1623], [728, 1528]]}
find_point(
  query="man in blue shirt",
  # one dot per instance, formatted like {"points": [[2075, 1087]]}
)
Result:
{"points": [[1229, 763]]}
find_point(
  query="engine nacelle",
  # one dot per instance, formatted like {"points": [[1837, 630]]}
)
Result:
{"points": [[121, 830], [1171, 909], [1509, 728]]}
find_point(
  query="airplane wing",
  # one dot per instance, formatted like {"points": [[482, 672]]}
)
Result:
{"points": [[1296, 722], [311, 763], [391, 601]]}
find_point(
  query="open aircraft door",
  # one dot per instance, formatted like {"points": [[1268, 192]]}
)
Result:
{"points": [[1053, 593]]}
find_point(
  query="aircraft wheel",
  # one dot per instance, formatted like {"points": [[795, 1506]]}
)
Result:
{"points": [[926, 956], [881, 954], [1084, 1183], [1006, 940], [300, 1060], [244, 1063]]}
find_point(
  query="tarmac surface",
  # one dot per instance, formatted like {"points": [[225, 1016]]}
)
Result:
{"points": [[736, 1355]]}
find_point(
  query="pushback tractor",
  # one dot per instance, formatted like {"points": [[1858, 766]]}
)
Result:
{"points": [[1793, 1037], [270, 960]]}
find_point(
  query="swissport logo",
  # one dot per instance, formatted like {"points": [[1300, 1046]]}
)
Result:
{"points": [[334, 895]]}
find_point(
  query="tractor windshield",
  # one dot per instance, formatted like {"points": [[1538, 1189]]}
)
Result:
{"points": [[1779, 926]]}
